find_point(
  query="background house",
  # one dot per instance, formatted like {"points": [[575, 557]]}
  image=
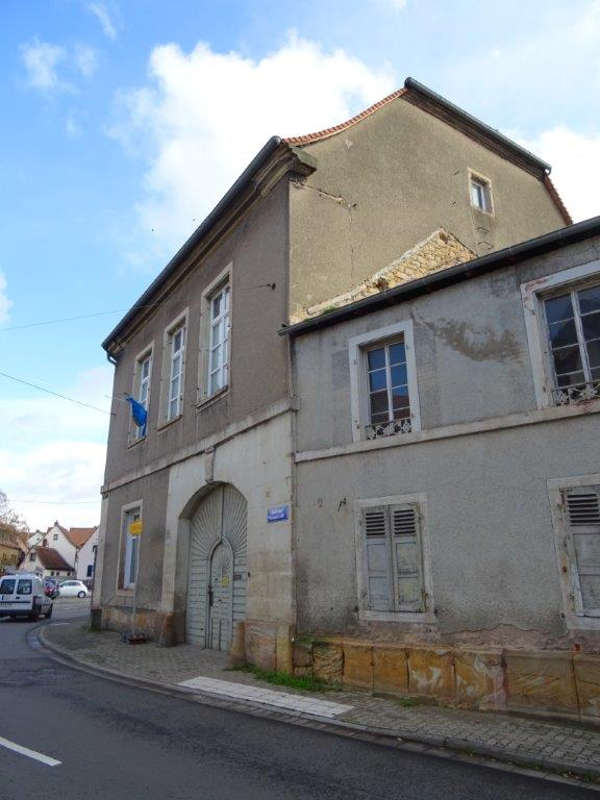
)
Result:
{"points": [[76, 547], [407, 187], [48, 562]]}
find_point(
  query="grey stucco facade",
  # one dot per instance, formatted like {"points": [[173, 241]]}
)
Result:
{"points": [[484, 467]]}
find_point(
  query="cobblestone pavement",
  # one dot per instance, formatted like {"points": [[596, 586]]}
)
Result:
{"points": [[505, 735]]}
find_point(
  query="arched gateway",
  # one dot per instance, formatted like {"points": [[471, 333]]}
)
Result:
{"points": [[218, 572]]}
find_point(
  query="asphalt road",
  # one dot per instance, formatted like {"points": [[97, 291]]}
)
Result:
{"points": [[116, 742]]}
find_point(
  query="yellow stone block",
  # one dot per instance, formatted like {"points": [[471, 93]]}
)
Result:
{"points": [[328, 662], [431, 671], [587, 679], [544, 681], [358, 665], [390, 670], [479, 678]]}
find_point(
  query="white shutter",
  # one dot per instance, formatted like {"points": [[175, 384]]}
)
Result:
{"points": [[407, 559], [583, 516], [377, 558]]}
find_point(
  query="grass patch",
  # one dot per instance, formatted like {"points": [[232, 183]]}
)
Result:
{"points": [[306, 682]]}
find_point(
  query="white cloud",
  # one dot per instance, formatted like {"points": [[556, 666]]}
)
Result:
{"points": [[575, 160], [86, 60], [54, 451], [5, 303], [72, 127], [100, 11], [205, 114], [397, 5], [41, 60]]}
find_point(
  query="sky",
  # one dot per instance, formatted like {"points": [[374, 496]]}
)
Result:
{"points": [[125, 121]]}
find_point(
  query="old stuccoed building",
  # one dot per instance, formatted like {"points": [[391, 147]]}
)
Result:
{"points": [[447, 524], [406, 188]]}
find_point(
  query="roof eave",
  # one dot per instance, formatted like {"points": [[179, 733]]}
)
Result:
{"points": [[436, 99], [227, 202]]}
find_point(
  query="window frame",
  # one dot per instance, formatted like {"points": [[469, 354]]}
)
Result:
{"points": [[364, 612], [222, 281], [572, 601], [487, 193], [125, 546], [135, 431], [534, 293], [178, 323], [358, 347]]}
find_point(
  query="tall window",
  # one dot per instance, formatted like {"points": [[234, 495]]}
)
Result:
{"points": [[145, 371], [175, 397], [481, 194], [582, 509], [388, 385], [393, 558], [573, 325], [218, 364], [132, 543]]}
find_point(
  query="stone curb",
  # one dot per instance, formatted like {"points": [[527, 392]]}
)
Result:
{"points": [[398, 738]]}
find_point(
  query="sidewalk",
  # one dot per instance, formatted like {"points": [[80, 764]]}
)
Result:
{"points": [[561, 747]]}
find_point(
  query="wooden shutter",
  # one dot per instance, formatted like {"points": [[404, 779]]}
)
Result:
{"points": [[407, 559], [583, 516], [378, 569]]}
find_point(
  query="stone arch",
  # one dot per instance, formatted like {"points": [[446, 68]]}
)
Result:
{"points": [[219, 517]]}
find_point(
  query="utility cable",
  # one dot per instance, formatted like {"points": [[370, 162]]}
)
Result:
{"points": [[56, 394]]}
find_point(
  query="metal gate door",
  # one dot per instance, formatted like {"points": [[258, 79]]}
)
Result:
{"points": [[218, 576], [220, 594]]}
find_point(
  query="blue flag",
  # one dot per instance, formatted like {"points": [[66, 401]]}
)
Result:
{"points": [[139, 414]]}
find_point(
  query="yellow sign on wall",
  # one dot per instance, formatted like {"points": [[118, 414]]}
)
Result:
{"points": [[136, 527]]}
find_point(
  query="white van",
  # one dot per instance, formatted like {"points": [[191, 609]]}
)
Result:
{"points": [[22, 595]]}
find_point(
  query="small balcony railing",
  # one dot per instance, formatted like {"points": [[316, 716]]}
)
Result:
{"points": [[392, 428], [583, 392]]}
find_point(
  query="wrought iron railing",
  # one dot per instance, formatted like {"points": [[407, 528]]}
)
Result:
{"points": [[392, 428], [581, 393]]}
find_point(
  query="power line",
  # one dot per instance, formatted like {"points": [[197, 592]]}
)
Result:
{"points": [[62, 319], [56, 394], [55, 502], [72, 319]]}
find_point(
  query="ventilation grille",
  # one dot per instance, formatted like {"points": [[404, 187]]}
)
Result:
{"points": [[375, 523], [583, 509], [405, 522]]}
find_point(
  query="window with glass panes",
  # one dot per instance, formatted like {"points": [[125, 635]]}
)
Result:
{"points": [[132, 544], [145, 366], [481, 195], [573, 320], [388, 383], [218, 365], [176, 373]]}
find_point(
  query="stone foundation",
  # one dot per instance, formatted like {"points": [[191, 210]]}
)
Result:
{"points": [[549, 682]]}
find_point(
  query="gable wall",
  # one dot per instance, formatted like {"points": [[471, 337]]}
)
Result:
{"points": [[388, 182]]}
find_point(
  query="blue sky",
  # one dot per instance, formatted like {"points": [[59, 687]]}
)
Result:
{"points": [[125, 121]]}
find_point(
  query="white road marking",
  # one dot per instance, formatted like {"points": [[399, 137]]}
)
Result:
{"points": [[239, 691], [25, 751]]}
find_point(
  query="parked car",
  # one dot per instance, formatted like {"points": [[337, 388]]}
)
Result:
{"points": [[51, 588], [23, 595], [73, 589]]}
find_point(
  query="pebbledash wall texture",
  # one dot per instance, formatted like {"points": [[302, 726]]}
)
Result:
{"points": [[497, 472], [314, 222]]}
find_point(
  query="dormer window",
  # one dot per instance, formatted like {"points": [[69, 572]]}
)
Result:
{"points": [[481, 194]]}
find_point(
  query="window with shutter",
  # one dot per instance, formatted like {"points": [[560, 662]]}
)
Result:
{"points": [[393, 558], [408, 559], [583, 515]]}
